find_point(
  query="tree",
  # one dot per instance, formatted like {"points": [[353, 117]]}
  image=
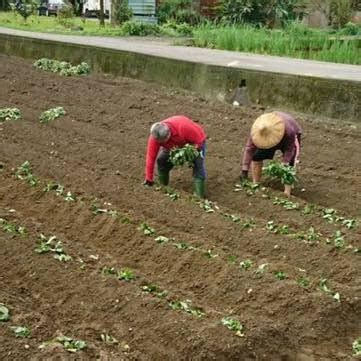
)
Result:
{"points": [[4, 5], [101, 13]]}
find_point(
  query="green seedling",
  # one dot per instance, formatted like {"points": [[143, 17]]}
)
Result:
{"points": [[63, 257], [208, 206], [126, 274], [62, 67], [310, 237], [23, 172], [349, 223], [68, 343], [154, 290], [4, 313], [309, 209], [232, 217], [162, 239], [210, 254], [329, 214], [249, 187], [109, 271], [325, 288], [183, 245], [7, 114], [21, 331], [289, 205], [285, 173], [173, 195], [51, 186], [339, 240], [233, 325], [148, 231], [248, 224], [184, 155], [70, 197], [271, 226], [280, 275], [46, 244], [186, 307], [51, 114], [108, 339], [274, 228], [356, 347], [12, 228], [261, 269], [246, 264], [232, 259], [303, 282]]}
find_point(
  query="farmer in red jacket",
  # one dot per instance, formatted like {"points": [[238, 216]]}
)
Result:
{"points": [[271, 132], [174, 132]]}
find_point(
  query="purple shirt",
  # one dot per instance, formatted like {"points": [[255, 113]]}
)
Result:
{"points": [[288, 144]]}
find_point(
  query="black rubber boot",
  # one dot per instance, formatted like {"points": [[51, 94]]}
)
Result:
{"points": [[199, 186], [163, 177]]}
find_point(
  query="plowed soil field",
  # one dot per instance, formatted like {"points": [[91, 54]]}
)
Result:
{"points": [[291, 277]]}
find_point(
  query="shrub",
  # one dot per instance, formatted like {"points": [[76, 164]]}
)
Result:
{"points": [[351, 29], [180, 11], [181, 29], [340, 12], [65, 16], [138, 28], [122, 12]]}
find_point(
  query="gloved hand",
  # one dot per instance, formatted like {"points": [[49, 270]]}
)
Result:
{"points": [[148, 183], [244, 175]]}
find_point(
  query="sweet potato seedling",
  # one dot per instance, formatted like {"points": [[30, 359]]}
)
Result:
{"points": [[23, 172], [339, 240], [233, 325], [284, 172], [21, 331], [210, 254], [147, 230], [280, 275], [186, 307], [10, 114], [303, 281], [249, 187], [246, 264], [47, 244], [4, 313], [68, 343], [51, 114], [184, 155], [289, 205], [12, 228], [62, 67], [310, 237], [309, 209], [154, 290], [325, 288], [356, 347], [162, 239], [109, 271], [126, 274], [261, 269], [108, 339]]}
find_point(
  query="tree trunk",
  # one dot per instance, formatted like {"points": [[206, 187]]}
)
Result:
{"points": [[101, 13]]}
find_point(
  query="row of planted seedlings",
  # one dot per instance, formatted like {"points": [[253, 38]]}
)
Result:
{"points": [[50, 65], [228, 321], [209, 207], [51, 245], [287, 175]]}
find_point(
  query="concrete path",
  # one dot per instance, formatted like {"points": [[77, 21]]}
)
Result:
{"points": [[223, 58]]}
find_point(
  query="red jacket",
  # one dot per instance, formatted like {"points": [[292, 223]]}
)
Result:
{"points": [[183, 130]]}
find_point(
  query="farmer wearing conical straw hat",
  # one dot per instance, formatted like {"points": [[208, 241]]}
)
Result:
{"points": [[170, 133], [271, 132]]}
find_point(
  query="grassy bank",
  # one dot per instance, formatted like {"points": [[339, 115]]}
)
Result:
{"points": [[295, 41]]}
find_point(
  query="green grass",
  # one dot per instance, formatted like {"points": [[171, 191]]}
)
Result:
{"points": [[295, 41]]}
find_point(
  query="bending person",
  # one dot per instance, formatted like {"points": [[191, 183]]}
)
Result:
{"points": [[174, 132], [271, 132]]}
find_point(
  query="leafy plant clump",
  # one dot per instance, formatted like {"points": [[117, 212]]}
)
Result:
{"points": [[356, 347], [246, 264], [11, 227], [10, 114], [23, 172], [233, 325], [4, 313], [47, 244], [284, 172], [184, 155], [186, 307], [126, 274], [62, 67], [69, 344], [51, 114], [280, 275], [147, 230], [21, 331]]}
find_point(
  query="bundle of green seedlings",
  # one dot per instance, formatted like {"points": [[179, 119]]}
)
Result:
{"points": [[184, 155], [62, 67], [284, 172], [10, 114], [51, 114]]}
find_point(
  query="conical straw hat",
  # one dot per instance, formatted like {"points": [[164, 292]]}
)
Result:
{"points": [[267, 130]]}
